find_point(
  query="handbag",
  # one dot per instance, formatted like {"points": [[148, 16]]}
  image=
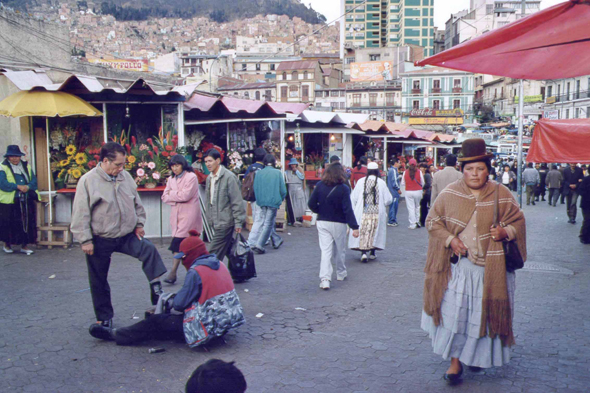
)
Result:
{"points": [[241, 260], [512, 255]]}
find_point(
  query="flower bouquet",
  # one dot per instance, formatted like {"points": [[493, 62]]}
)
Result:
{"points": [[236, 163]]}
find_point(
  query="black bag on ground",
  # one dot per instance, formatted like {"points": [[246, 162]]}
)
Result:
{"points": [[241, 260]]}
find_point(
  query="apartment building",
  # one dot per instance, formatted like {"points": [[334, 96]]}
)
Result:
{"points": [[250, 91], [255, 68], [380, 100], [438, 89], [570, 97], [330, 99], [388, 23], [297, 81]]}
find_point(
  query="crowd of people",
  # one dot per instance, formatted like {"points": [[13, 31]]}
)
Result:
{"points": [[468, 214]]}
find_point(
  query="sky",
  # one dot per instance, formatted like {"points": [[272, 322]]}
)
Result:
{"points": [[442, 8]]}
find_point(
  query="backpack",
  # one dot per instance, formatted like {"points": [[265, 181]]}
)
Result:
{"points": [[248, 187]]}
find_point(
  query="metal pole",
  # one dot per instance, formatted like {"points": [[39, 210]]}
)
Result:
{"points": [[49, 171], [520, 130], [283, 146], [181, 141], [104, 123], [385, 153]]}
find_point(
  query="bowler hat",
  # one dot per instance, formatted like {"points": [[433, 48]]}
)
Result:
{"points": [[474, 150], [13, 151]]}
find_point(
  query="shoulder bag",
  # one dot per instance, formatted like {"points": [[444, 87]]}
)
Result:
{"points": [[514, 260]]}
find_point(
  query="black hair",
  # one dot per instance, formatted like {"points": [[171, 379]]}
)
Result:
{"points": [[213, 153], [393, 160], [362, 161], [486, 161], [180, 160], [413, 172], [553, 166], [259, 154], [373, 190], [110, 150], [530, 164], [269, 159], [216, 376], [451, 160]]}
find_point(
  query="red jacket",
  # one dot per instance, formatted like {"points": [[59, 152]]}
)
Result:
{"points": [[357, 174]]}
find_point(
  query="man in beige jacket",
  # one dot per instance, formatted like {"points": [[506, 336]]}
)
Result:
{"points": [[443, 178], [108, 217]]}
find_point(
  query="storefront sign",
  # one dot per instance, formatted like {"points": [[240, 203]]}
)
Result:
{"points": [[537, 98], [436, 120], [427, 112], [551, 115], [371, 71], [127, 65]]}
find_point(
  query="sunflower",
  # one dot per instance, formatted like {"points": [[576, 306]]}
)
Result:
{"points": [[80, 158], [76, 173], [131, 159], [62, 173], [71, 150], [64, 163]]}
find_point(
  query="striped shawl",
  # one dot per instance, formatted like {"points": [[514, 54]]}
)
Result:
{"points": [[449, 215]]}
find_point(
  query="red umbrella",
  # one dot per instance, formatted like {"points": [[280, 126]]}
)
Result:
{"points": [[549, 44]]}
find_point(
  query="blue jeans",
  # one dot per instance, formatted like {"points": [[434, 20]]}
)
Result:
{"points": [[393, 207], [268, 216]]}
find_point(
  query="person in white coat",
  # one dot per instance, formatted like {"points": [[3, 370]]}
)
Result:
{"points": [[369, 201]]}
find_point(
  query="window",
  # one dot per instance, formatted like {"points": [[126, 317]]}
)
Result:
{"points": [[390, 99], [436, 84], [456, 82], [489, 9], [342, 105], [294, 75], [373, 99], [257, 66], [284, 92], [342, 93], [588, 112], [436, 104], [567, 92], [577, 113], [416, 85], [305, 91], [293, 88], [415, 104], [258, 95], [333, 93], [558, 92], [550, 91], [334, 105], [268, 95], [374, 57], [356, 100], [349, 60], [567, 114], [247, 95], [305, 75], [244, 67], [284, 76], [272, 67], [456, 104], [577, 97]]}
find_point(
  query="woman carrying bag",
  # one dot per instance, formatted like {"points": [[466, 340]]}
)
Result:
{"points": [[469, 287], [182, 193], [18, 193], [369, 201]]}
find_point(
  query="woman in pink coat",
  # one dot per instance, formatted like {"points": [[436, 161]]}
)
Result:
{"points": [[182, 193]]}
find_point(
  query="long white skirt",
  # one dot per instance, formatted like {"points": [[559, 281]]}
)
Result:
{"points": [[458, 334]]}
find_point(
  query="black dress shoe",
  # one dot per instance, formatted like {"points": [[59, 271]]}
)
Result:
{"points": [[101, 332], [453, 379], [475, 369]]}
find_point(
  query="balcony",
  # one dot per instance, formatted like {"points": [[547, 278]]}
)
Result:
{"points": [[435, 90], [416, 91], [457, 90]]}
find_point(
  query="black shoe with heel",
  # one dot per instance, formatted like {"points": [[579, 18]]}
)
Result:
{"points": [[453, 379]]}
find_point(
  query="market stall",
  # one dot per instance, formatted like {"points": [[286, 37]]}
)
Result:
{"points": [[561, 141]]}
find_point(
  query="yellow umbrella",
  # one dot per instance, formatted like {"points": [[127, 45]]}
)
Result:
{"points": [[47, 104]]}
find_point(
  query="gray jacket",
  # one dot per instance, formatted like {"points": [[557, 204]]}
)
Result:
{"points": [[554, 179], [226, 209], [443, 178], [530, 176], [106, 208]]}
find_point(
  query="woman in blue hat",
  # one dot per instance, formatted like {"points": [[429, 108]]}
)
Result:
{"points": [[296, 200], [18, 193]]}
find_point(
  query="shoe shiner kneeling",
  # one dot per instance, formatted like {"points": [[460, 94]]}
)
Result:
{"points": [[207, 305]]}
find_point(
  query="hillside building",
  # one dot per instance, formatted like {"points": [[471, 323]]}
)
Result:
{"points": [[297, 81]]}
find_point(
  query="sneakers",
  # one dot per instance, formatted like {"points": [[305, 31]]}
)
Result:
{"points": [[341, 277], [278, 245], [325, 284], [25, 251], [364, 258], [412, 227], [393, 224], [7, 250], [372, 257]]}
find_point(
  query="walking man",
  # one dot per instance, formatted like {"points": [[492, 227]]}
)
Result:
{"points": [[531, 179], [585, 205], [108, 217], [225, 210], [395, 190], [553, 182], [270, 191], [259, 154], [540, 191], [572, 177], [443, 178]]}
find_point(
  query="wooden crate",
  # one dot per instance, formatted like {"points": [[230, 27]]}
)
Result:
{"points": [[55, 235]]}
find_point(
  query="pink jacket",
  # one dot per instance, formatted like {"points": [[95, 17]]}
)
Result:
{"points": [[183, 195]]}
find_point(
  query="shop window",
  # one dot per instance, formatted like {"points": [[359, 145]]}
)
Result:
{"points": [[456, 104]]}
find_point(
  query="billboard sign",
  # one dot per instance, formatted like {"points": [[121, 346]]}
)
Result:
{"points": [[371, 71], [436, 120], [427, 112], [551, 115], [125, 65]]}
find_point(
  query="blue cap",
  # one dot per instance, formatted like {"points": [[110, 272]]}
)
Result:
{"points": [[293, 161], [180, 255]]}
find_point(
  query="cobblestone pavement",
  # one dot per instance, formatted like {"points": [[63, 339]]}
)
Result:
{"points": [[361, 335]]}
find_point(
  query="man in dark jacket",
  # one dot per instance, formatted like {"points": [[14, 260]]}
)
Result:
{"points": [[540, 191], [572, 177], [585, 205], [553, 181], [206, 281]]}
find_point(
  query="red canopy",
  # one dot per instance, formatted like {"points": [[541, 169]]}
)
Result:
{"points": [[564, 141], [549, 44]]}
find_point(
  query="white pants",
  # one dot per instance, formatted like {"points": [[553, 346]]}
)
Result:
{"points": [[413, 199], [333, 238]]}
